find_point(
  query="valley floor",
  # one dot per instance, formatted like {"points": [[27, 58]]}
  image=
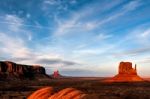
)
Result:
{"points": [[94, 87]]}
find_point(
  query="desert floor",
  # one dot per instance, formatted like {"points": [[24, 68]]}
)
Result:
{"points": [[21, 89]]}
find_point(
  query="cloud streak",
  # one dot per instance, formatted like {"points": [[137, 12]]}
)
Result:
{"points": [[56, 61], [15, 22], [75, 24], [133, 52], [125, 9]]}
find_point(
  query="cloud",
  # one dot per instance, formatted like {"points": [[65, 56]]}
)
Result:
{"points": [[102, 36], [14, 49], [74, 24], [14, 37], [57, 5], [13, 46], [16, 23], [132, 5], [79, 72], [50, 2], [139, 34], [134, 37], [145, 34], [82, 33], [136, 51], [55, 61], [146, 60], [89, 52], [14, 42], [13, 22]]}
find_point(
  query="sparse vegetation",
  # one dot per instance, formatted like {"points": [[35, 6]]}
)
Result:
{"points": [[95, 88]]}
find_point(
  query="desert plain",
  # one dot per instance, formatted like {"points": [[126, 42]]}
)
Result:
{"points": [[93, 86]]}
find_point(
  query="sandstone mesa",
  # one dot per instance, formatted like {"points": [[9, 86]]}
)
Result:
{"points": [[11, 70], [126, 73]]}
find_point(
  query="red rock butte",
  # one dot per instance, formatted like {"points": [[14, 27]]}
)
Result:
{"points": [[56, 74], [126, 73]]}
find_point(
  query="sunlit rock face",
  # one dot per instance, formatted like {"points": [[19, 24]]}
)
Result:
{"points": [[48, 93], [126, 68], [11, 70], [126, 73], [43, 93], [68, 93]]}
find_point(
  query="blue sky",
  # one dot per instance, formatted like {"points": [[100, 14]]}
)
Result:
{"points": [[77, 37]]}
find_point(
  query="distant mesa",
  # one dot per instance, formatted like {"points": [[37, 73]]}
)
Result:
{"points": [[126, 73], [56, 74], [11, 70]]}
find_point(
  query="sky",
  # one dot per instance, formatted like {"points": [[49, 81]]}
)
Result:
{"points": [[76, 37]]}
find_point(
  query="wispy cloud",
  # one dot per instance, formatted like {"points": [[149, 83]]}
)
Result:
{"points": [[15, 27], [14, 22], [134, 52], [17, 51], [145, 34], [55, 62], [50, 2], [13, 46], [75, 24], [132, 5], [139, 34]]}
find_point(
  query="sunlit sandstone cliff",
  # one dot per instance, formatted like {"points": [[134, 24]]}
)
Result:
{"points": [[48, 93], [11, 70], [126, 73]]}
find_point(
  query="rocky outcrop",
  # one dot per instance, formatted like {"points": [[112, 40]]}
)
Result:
{"points": [[12, 70], [42, 93], [126, 68], [48, 93], [126, 74], [56, 74]]}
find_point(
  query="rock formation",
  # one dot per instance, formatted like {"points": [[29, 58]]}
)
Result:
{"points": [[56, 74], [126, 73], [11, 70], [48, 93], [68, 93], [42, 93]]}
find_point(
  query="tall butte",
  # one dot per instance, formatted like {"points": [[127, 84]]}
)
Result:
{"points": [[126, 73]]}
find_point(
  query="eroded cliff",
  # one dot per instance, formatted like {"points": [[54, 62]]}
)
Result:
{"points": [[11, 70]]}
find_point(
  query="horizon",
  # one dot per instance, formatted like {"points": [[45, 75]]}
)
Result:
{"points": [[97, 76], [76, 37]]}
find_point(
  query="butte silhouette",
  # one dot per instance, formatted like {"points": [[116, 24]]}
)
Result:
{"points": [[126, 74]]}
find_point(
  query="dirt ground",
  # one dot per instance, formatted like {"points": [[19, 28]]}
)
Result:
{"points": [[94, 87]]}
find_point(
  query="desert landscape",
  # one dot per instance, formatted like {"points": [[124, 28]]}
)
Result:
{"points": [[74, 49], [23, 87], [94, 87]]}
